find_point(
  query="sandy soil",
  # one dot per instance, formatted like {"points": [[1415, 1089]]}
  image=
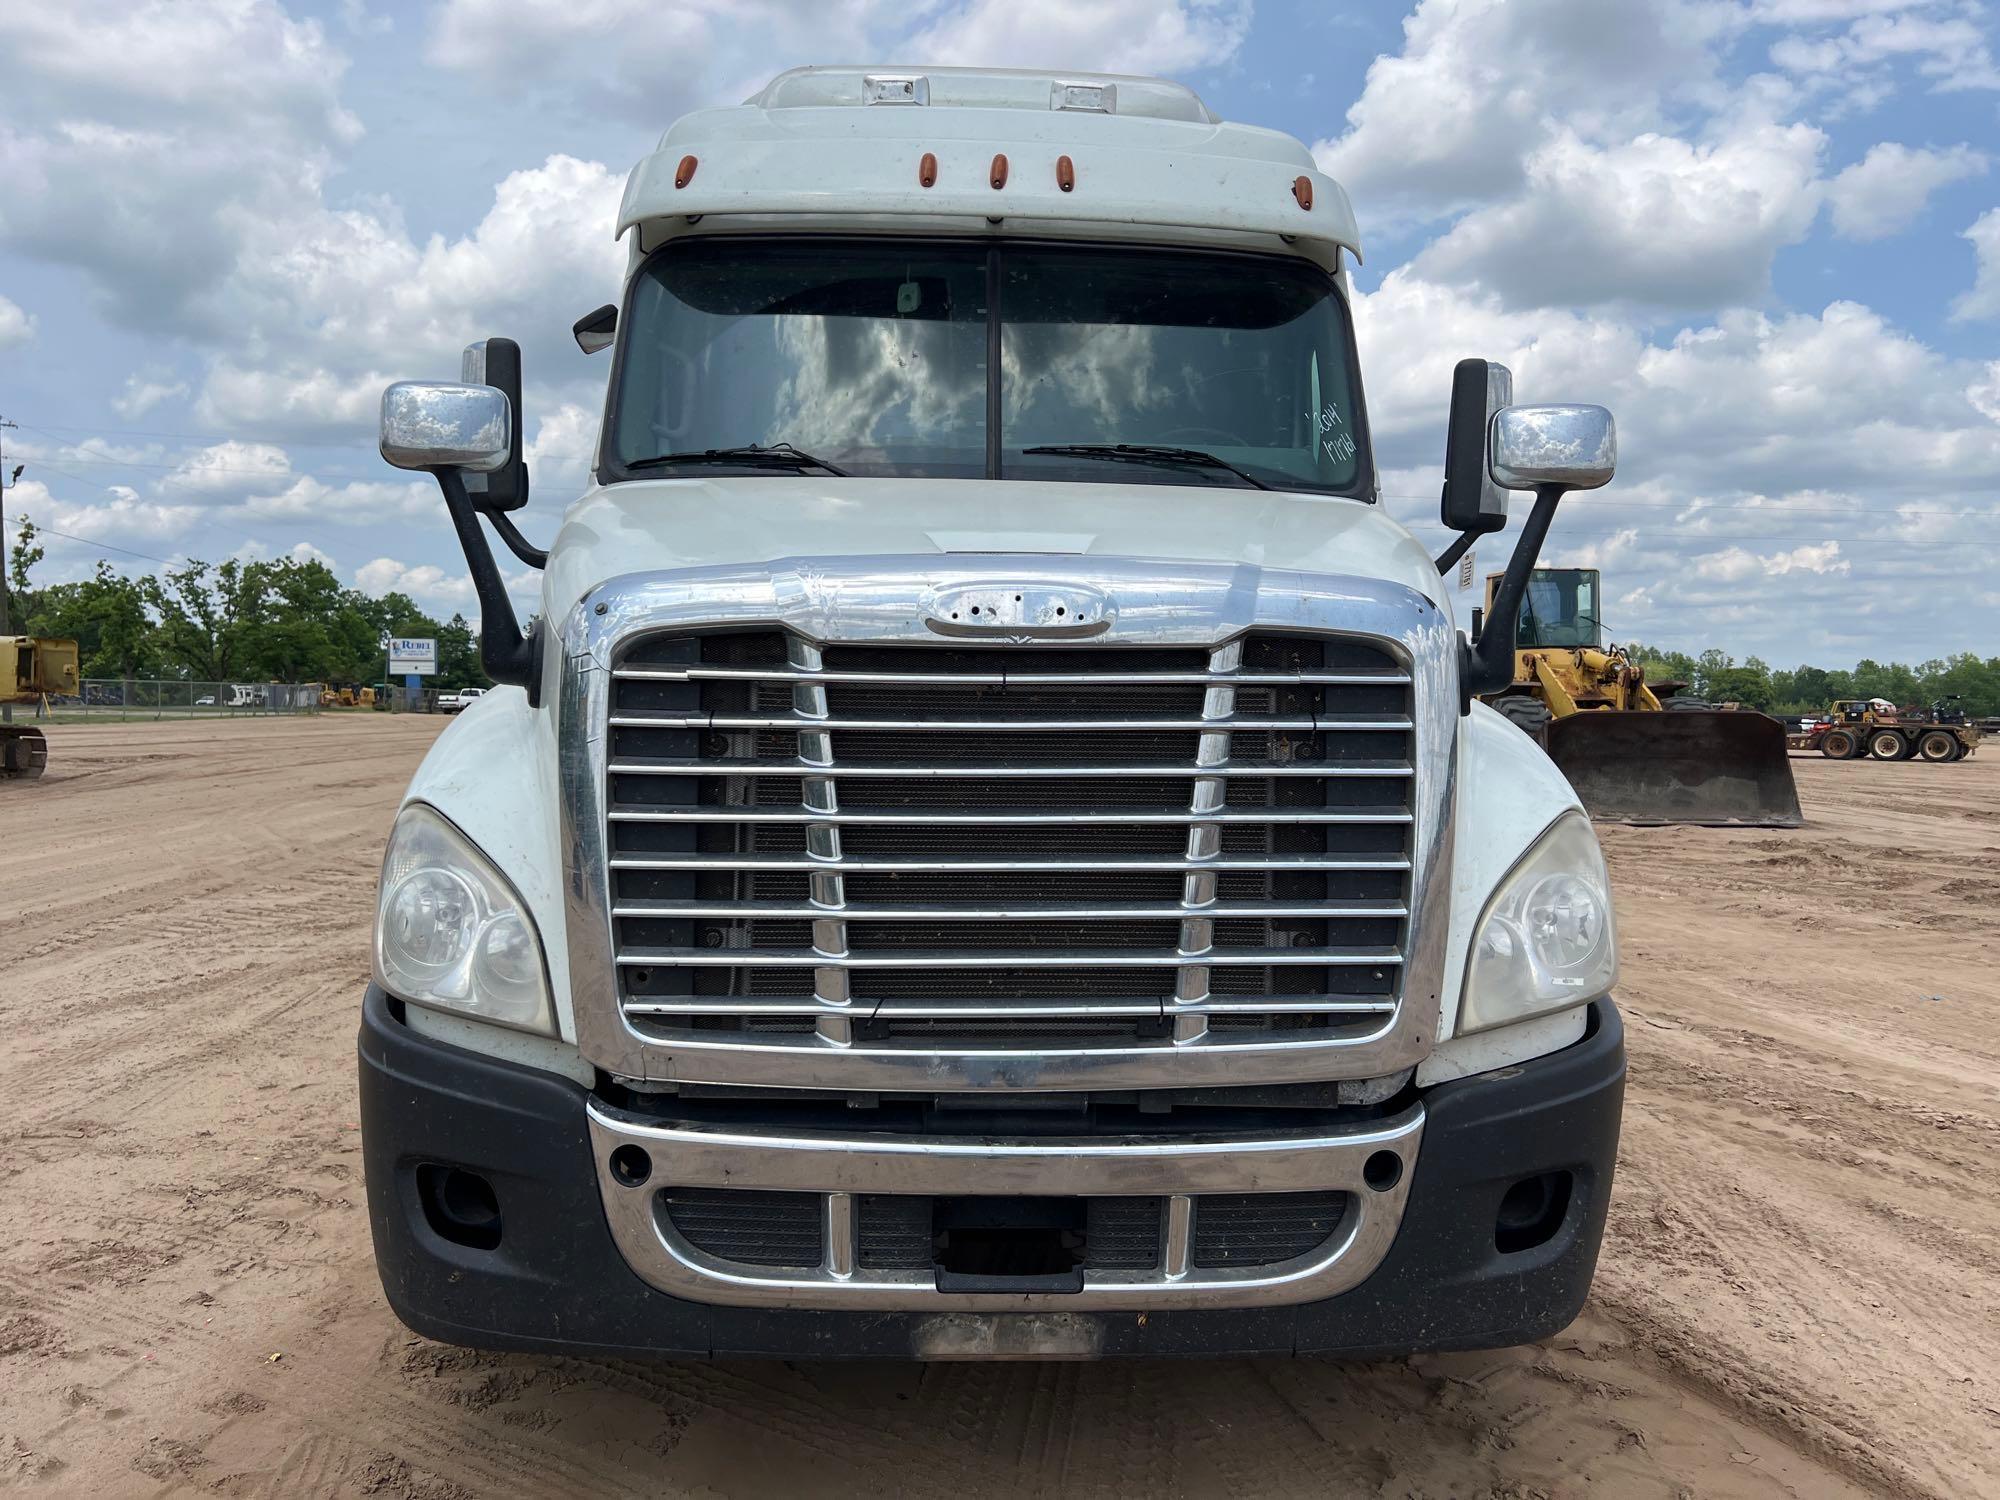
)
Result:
{"points": [[1800, 1294]]}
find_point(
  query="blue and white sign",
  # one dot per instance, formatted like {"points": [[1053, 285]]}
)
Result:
{"points": [[413, 656]]}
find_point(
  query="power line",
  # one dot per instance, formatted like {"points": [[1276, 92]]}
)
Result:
{"points": [[91, 541]]}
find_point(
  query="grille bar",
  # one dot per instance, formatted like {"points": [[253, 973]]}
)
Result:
{"points": [[1012, 679], [1008, 958], [934, 817], [829, 932], [1012, 912], [804, 722], [1204, 844], [956, 1008], [663, 766], [835, 864]]}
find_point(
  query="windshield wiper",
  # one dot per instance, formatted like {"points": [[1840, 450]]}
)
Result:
{"points": [[768, 455], [1149, 453]]}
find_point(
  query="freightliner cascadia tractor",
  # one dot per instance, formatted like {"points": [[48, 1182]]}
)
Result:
{"points": [[990, 846]]}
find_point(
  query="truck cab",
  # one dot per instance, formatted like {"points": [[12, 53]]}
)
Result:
{"points": [[991, 848]]}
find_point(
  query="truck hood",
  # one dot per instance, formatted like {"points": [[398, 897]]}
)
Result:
{"points": [[656, 525]]}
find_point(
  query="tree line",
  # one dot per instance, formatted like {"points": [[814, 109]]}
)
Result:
{"points": [[282, 620], [1720, 678]]}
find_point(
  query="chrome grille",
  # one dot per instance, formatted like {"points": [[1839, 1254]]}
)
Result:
{"points": [[967, 847]]}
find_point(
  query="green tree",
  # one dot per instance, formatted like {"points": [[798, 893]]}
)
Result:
{"points": [[208, 613], [106, 616], [458, 656]]}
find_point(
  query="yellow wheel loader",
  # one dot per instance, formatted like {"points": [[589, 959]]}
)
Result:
{"points": [[31, 668], [1636, 752]]}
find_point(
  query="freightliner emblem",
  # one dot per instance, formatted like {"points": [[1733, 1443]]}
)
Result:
{"points": [[1018, 611]]}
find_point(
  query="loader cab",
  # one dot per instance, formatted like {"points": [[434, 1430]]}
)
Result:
{"points": [[1559, 611]]}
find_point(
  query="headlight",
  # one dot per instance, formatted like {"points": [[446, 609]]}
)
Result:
{"points": [[1547, 940], [450, 932]]}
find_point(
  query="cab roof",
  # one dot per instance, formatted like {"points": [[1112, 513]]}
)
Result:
{"points": [[986, 150]]}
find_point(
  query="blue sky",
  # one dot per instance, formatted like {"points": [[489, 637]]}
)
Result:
{"points": [[1764, 231]]}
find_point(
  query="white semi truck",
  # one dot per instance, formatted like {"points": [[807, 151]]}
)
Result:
{"points": [[990, 848]]}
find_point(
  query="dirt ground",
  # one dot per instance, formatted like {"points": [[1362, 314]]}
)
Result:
{"points": [[1800, 1292]]}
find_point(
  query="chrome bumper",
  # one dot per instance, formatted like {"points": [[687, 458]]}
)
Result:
{"points": [[1374, 1166]]}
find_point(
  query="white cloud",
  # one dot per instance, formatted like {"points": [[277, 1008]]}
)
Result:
{"points": [[1481, 85], [16, 326], [229, 471], [305, 552], [1734, 564], [358, 298], [564, 444], [1656, 220], [425, 582], [123, 519], [154, 134], [1983, 299], [256, 481], [1883, 193], [360, 503], [1113, 36], [299, 552], [1983, 391], [143, 392], [443, 592], [653, 60], [1941, 40]]}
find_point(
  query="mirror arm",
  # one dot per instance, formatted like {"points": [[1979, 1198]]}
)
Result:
{"points": [[1489, 666], [520, 546], [507, 654], [1455, 551]]}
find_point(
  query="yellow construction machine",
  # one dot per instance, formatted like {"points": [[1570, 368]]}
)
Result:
{"points": [[31, 669], [1635, 751]]}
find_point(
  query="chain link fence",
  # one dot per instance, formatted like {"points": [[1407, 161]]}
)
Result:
{"points": [[140, 698], [145, 698]]}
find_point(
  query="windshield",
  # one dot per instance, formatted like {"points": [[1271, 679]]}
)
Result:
{"points": [[962, 361], [1559, 609]]}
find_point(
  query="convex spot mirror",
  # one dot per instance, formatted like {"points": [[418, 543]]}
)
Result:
{"points": [[1567, 447], [596, 330], [431, 424]]}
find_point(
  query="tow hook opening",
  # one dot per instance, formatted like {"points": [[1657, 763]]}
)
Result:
{"points": [[459, 1206], [1532, 1212], [1005, 1245]]}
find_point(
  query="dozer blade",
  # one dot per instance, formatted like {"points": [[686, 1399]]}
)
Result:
{"points": [[1720, 768], [24, 754]]}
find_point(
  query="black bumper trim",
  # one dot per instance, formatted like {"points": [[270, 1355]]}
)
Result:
{"points": [[556, 1283]]}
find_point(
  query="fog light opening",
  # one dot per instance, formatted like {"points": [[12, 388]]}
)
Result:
{"points": [[631, 1165], [459, 1206], [1532, 1212], [1382, 1171]]}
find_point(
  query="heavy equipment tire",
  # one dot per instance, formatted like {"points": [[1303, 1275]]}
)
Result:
{"points": [[24, 754], [1888, 744], [1530, 714], [1938, 745], [1840, 744], [1679, 705]]}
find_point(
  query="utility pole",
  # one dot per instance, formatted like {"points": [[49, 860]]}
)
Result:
{"points": [[6, 618]]}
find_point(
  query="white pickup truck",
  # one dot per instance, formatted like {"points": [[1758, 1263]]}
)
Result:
{"points": [[990, 848], [458, 698]]}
